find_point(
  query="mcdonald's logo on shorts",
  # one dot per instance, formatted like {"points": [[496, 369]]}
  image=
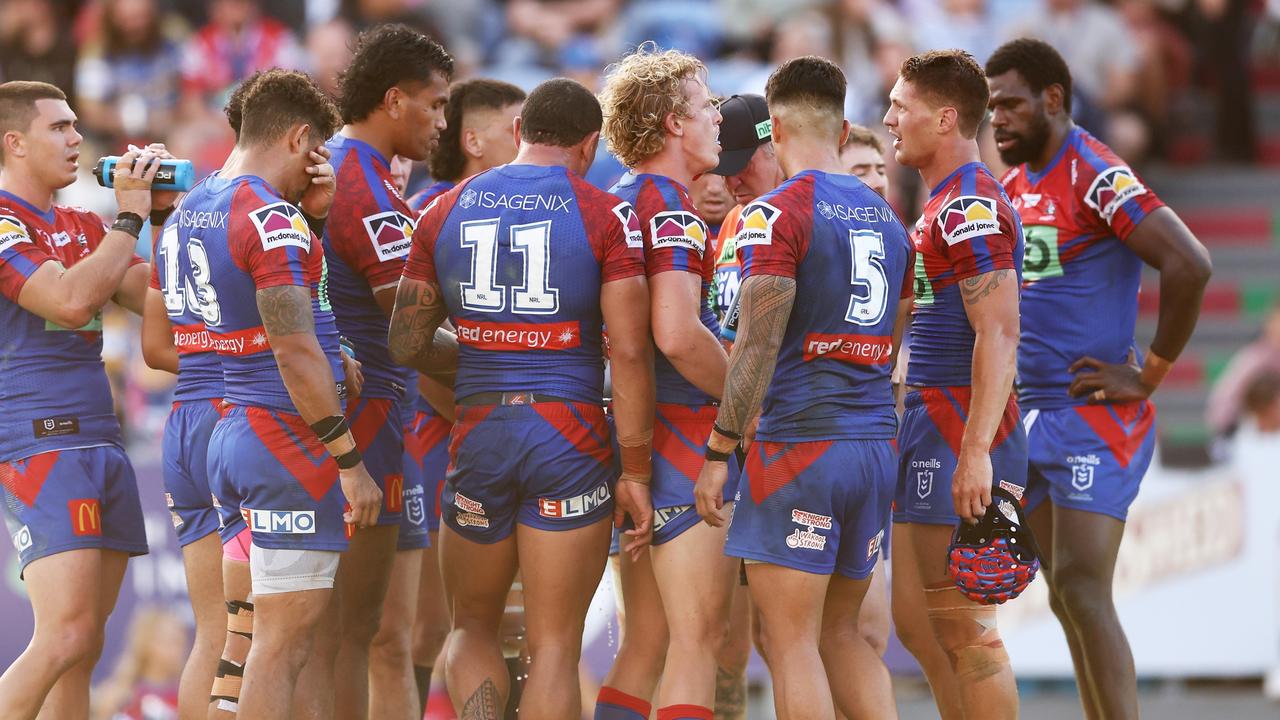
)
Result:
{"points": [[393, 493], [86, 516]]}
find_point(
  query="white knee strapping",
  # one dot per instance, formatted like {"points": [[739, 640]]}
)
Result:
{"points": [[281, 571]]}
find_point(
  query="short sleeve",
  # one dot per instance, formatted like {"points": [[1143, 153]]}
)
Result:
{"points": [[909, 274], [773, 233], [675, 237], [370, 237], [976, 234], [622, 244], [1117, 199], [421, 264], [19, 257], [272, 243]]}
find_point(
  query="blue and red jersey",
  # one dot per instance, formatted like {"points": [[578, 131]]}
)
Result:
{"points": [[675, 239], [852, 263], [181, 279], [53, 388], [423, 197], [521, 252], [1080, 281], [366, 240], [968, 228], [251, 240]]}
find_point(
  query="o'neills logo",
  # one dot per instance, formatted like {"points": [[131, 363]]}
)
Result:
{"points": [[519, 336], [856, 349], [811, 520]]}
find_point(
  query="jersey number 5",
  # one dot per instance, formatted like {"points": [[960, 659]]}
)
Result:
{"points": [[483, 293], [869, 299], [197, 296]]}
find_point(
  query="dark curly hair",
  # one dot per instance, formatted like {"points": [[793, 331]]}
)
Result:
{"points": [[385, 57], [810, 80], [234, 109], [560, 112], [448, 161], [951, 78], [280, 99], [1037, 62]]}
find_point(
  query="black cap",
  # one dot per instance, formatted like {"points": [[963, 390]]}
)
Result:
{"points": [[745, 126]]}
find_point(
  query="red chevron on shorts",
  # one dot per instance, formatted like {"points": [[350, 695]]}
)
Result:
{"points": [[25, 483], [296, 447], [427, 432], [772, 465], [1123, 427]]}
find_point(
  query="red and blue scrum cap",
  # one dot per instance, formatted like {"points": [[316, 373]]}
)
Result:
{"points": [[994, 560]]}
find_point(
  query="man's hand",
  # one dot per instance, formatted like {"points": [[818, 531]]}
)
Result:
{"points": [[353, 376], [132, 177], [161, 199], [1109, 382], [632, 498], [708, 492], [318, 198], [971, 485], [362, 495]]}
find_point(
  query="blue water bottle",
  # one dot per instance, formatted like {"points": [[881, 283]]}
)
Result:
{"points": [[172, 175]]}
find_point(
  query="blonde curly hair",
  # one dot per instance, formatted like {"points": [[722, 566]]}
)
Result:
{"points": [[639, 92]]}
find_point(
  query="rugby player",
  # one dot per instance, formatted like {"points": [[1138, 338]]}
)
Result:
{"points": [[283, 453], [1090, 224], [863, 155], [814, 502], [175, 339], [477, 136], [960, 433], [533, 260], [392, 99], [662, 123], [71, 499]]}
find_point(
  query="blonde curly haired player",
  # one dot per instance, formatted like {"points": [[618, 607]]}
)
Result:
{"points": [[663, 124]]}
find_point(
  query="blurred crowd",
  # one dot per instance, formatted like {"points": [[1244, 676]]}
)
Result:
{"points": [[148, 70], [161, 69]]}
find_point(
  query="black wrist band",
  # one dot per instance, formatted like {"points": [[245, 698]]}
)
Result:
{"points": [[316, 224], [715, 455], [348, 459], [330, 428], [130, 223], [159, 216], [727, 433]]}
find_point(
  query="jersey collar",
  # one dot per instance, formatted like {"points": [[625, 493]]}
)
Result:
{"points": [[954, 174], [47, 216]]}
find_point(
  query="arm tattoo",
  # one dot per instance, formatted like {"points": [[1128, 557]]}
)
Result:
{"points": [[764, 309], [286, 310], [484, 704], [412, 336], [979, 286], [731, 695]]}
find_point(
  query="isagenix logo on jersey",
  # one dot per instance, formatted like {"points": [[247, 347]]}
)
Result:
{"points": [[391, 234], [489, 199], [12, 232], [968, 216], [281, 224]]}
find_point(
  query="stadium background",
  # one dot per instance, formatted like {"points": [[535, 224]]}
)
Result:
{"points": [[1186, 90]]}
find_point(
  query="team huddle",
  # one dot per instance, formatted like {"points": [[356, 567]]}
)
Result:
{"points": [[396, 419]]}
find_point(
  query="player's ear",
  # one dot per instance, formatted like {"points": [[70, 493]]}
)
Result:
{"points": [[299, 138], [471, 143], [844, 134], [947, 118], [778, 131], [515, 130], [673, 124], [1054, 98], [12, 145], [393, 100], [588, 150]]}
